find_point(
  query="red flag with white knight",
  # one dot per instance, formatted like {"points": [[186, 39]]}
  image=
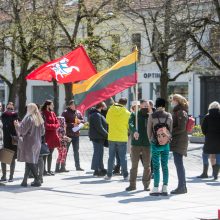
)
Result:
{"points": [[72, 67]]}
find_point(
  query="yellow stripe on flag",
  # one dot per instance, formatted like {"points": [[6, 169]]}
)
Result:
{"points": [[87, 84]]}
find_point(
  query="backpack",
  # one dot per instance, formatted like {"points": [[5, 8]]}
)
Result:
{"points": [[190, 124], [161, 132]]}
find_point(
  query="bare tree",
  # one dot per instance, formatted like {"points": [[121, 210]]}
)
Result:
{"points": [[19, 38], [166, 25]]}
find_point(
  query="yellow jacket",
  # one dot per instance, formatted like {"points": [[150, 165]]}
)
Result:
{"points": [[117, 119]]}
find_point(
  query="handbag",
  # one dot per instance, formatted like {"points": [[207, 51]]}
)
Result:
{"points": [[14, 139], [44, 149], [6, 155]]}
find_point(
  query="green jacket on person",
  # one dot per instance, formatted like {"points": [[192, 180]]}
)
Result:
{"points": [[142, 130]]}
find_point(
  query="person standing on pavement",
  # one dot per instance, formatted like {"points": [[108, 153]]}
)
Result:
{"points": [[117, 119], [159, 152], [30, 131], [179, 143], [211, 130], [98, 134], [1, 133], [140, 145], [51, 136], [62, 149], [8, 118], [73, 118]]}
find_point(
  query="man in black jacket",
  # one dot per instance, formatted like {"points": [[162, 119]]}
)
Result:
{"points": [[98, 134]]}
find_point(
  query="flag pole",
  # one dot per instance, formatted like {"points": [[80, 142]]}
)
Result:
{"points": [[136, 92]]}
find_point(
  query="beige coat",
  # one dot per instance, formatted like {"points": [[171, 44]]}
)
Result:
{"points": [[29, 143]]}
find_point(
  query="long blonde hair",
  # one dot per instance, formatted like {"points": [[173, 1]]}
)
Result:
{"points": [[33, 111], [181, 100]]}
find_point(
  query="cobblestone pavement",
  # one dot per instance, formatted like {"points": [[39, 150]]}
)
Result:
{"points": [[78, 195]]}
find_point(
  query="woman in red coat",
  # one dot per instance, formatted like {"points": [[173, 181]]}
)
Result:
{"points": [[51, 136]]}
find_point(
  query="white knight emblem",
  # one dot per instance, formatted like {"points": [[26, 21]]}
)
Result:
{"points": [[61, 68]]}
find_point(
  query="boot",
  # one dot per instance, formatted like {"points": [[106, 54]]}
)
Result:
{"points": [[213, 167], [205, 171], [57, 169], [116, 170], [26, 174], [37, 181], [164, 191], [155, 192], [216, 171], [63, 168], [179, 190], [130, 188], [3, 178], [12, 170]]}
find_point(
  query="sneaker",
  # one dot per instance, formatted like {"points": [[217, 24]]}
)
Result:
{"points": [[96, 173], [126, 178], [3, 179], [36, 183], [164, 191], [46, 173], [51, 173], [107, 177], [155, 192], [177, 191], [10, 180], [79, 169], [130, 188], [24, 184], [146, 188]]}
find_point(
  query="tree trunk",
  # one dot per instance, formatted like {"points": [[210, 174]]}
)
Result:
{"points": [[55, 92], [68, 92], [22, 97], [12, 92], [164, 86]]}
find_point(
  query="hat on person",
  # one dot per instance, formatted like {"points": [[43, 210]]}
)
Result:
{"points": [[160, 102]]}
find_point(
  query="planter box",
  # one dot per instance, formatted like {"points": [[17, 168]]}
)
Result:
{"points": [[84, 132], [199, 140]]}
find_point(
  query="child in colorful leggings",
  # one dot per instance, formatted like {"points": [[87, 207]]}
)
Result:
{"points": [[62, 149]]}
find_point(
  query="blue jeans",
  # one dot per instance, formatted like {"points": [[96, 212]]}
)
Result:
{"points": [[205, 158], [97, 159], [121, 147], [75, 144], [178, 161]]}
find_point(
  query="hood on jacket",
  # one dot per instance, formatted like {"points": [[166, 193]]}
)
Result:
{"points": [[117, 110]]}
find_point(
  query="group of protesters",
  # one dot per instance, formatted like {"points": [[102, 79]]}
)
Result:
{"points": [[147, 132]]}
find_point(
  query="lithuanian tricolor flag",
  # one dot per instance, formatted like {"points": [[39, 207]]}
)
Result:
{"points": [[106, 84]]}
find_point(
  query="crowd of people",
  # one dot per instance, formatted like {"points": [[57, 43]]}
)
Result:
{"points": [[148, 132]]}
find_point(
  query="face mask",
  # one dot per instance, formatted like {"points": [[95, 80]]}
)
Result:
{"points": [[10, 109], [173, 105], [144, 111]]}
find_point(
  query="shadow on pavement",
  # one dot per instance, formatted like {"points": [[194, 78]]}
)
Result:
{"points": [[78, 177], [122, 193], [95, 182], [198, 180], [144, 199], [213, 183], [19, 189]]}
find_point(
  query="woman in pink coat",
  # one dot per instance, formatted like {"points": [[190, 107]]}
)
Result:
{"points": [[51, 124]]}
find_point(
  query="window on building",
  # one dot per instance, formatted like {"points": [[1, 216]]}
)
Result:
{"points": [[136, 41], [215, 43], [42, 93]]}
